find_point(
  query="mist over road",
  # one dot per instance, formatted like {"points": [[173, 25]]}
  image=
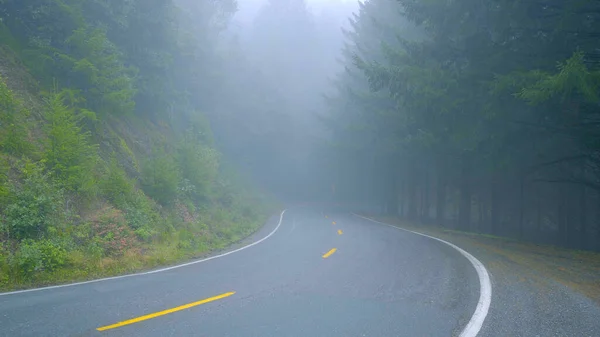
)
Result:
{"points": [[318, 274]]}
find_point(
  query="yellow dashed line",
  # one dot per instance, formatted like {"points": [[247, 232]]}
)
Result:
{"points": [[164, 312], [328, 254]]}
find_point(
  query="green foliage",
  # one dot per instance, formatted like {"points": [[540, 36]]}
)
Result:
{"points": [[115, 185], [129, 153], [69, 154], [4, 186], [64, 214], [37, 256], [66, 48], [13, 123], [160, 177], [572, 78], [5, 266], [34, 205], [142, 217], [199, 165], [112, 234], [107, 82]]}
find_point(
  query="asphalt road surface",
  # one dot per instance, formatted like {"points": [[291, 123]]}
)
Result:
{"points": [[317, 274]]}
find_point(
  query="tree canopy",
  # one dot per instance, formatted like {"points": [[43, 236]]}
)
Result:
{"points": [[476, 114]]}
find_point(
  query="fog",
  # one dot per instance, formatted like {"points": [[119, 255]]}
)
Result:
{"points": [[413, 110], [282, 58]]}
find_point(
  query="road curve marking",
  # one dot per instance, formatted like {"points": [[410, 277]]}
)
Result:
{"points": [[152, 271], [485, 286], [164, 312], [328, 254], [340, 232]]}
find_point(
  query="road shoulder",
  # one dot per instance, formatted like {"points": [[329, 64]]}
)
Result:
{"points": [[267, 229], [538, 290]]}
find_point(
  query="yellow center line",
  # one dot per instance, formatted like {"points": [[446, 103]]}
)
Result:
{"points": [[164, 312], [328, 254], [340, 232]]}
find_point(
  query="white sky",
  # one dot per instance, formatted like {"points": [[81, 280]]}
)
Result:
{"points": [[248, 8]]}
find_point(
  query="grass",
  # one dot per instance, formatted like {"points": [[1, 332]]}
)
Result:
{"points": [[576, 269], [170, 250]]}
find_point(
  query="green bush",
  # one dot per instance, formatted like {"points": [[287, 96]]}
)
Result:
{"points": [[145, 233], [160, 177], [69, 153], [36, 256], [34, 205], [111, 233], [4, 266], [4, 189], [116, 186], [141, 212], [199, 167], [13, 124]]}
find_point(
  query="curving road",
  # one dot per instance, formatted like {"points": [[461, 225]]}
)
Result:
{"points": [[314, 274]]}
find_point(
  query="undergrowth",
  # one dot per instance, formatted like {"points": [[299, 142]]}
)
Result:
{"points": [[68, 215]]}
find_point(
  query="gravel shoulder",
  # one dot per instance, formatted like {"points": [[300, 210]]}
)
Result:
{"points": [[537, 290]]}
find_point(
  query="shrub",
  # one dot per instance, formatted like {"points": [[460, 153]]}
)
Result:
{"points": [[145, 233], [116, 186], [140, 212], [4, 188], [4, 265], [199, 166], [160, 177], [112, 234], [69, 153], [13, 124], [35, 256], [34, 205]]}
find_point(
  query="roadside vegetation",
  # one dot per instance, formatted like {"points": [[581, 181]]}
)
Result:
{"points": [[107, 164]]}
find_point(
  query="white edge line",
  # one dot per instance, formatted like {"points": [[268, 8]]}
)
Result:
{"points": [[485, 286], [152, 271]]}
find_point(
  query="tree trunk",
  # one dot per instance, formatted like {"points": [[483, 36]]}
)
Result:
{"points": [[481, 213], [562, 216], [582, 208], [440, 204], [412, 193], [425, 203], [538, 203], [495, 205], [464, 213], [402, 197], [521, 206], [582, 218]]}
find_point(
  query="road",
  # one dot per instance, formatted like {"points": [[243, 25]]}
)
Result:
{"points": [[313, 274]]}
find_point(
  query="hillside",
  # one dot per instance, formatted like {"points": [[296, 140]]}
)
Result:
{"points": [[107, 164]]}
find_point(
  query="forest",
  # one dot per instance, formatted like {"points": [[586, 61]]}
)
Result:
{"points": [[108, 161], [479, 116], [138, 133]]}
